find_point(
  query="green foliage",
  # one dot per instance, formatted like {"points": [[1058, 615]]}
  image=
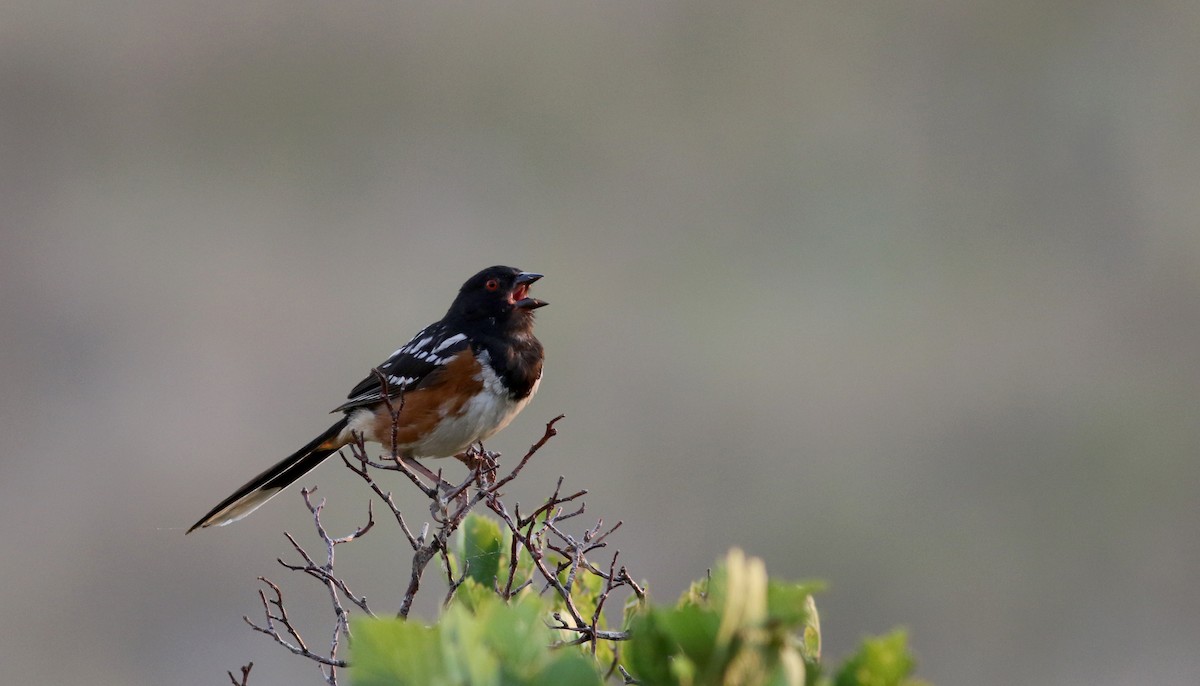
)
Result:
{"points": [[735, 628], [479, 544], [882, 661], [492, 644], [738, 627], [484, 547]]}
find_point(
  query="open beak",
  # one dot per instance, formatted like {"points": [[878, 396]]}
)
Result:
{"points": [[520, 293]]}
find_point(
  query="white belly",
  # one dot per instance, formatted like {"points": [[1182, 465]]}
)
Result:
{"points": [[483, 416], [488, 412]]}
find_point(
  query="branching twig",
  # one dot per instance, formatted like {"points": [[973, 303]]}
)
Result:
{"points": [[279, 615], [359, 451], [245, 675], [276, 613], [551, 432], [324, 572]]}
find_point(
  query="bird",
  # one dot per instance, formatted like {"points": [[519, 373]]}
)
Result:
{"points": [[456, 383]]}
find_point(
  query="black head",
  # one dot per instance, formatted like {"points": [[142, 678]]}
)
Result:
{"points": [[499, 293]]}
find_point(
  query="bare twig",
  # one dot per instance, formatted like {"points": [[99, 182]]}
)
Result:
{"points": [[551, 432], [245, 675], [452, 584], [393, 410], [359, 451], [276, 613], [278, 617], [421, 558], [324, 572]]}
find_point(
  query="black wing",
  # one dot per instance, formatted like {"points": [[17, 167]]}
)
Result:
{"points": [[409, 366]]}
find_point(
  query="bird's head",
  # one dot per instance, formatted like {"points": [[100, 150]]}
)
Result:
{"points": [[497, 292]]}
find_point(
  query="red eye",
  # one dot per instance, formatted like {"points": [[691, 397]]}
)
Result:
{"points": [[492, 284]]}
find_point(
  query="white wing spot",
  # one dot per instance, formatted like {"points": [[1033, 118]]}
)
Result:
{"points": [[449, 342]]}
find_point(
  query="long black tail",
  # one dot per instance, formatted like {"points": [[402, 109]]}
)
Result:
{"points": [[263, 487]]}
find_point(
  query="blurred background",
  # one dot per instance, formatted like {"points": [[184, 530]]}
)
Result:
{"points": [[902, 296]]}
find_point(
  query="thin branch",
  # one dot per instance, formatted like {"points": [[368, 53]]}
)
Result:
{"points": [[245, 675], [452, 584], [421, 558], [551, 432], [359, 451], [278, 617]]}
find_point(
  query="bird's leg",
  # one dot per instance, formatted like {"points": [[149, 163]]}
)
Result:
{"points": [[418, 467], [438, 507]]}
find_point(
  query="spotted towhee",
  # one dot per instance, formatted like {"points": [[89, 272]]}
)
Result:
{"points": [[457, 382]]}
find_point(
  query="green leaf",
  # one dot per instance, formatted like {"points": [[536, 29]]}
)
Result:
{"points": [[479, 545], [651, 649], [882, 661], [788, 603], [517, 632], [387, 652], [479, 667], [472, 596], [568, 669], [694, 630]]}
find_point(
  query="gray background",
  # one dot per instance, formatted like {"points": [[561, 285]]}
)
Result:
{"points": [[903, 296]]}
